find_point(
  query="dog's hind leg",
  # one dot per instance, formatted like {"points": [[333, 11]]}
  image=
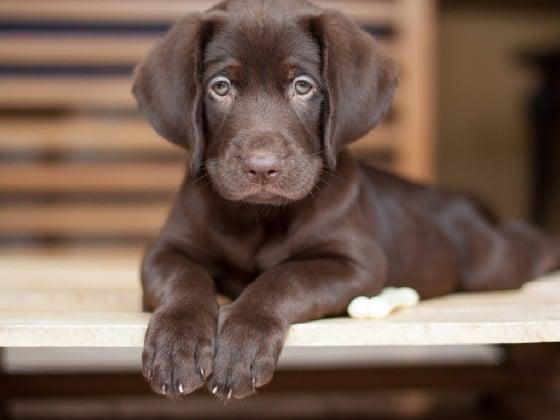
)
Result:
{"points": [[543, 248], [506, 256]]}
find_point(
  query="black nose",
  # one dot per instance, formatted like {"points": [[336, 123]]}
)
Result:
{"points": [[262, 167]]}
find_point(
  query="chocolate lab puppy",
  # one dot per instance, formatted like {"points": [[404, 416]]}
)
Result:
{"points": [[265, 95]]}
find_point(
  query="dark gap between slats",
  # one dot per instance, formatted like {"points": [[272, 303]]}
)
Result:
{"points": [[94, 28], [26, 113], [64, 70], [14, 242], [86, 156], [65, 28], [116, 158]]}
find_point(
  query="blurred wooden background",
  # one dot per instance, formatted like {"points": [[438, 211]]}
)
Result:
{"points": [[80, 170]]}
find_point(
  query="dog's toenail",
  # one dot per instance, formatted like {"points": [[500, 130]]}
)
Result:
{"points": [[229, 394], [181, 388], [214, 390]]}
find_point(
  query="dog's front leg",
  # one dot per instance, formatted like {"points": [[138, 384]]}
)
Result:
{"points": [[178, 352], [252, 329]]}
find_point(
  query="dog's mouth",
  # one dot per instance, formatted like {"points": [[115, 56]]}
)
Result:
{"points": [[293, 184], [266, 195]]}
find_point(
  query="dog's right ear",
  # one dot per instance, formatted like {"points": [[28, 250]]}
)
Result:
{"points": [[167, 83]]}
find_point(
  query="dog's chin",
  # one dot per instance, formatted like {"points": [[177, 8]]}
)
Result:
{"points": [[266, 198], [269, 195]]}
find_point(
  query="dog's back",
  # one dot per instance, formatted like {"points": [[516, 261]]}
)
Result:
{"points": [[414, 219]]}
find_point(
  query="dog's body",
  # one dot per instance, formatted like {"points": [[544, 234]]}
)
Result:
{"points": [[277, 215]]}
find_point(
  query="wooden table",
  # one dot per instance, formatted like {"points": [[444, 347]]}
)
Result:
{"points": [[49, 301]]}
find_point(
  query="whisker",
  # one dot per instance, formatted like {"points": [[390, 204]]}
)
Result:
{"points": [[201, 177]]}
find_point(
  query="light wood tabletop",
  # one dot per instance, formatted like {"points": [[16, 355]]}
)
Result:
{"points": [[88, 301]]}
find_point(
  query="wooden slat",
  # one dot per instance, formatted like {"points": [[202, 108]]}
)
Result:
{"points": [[83, 92], [57, 91], [81, 177], [68, 272], [118, 302], [160, 11], [531, 314], [115, 135], [84, 219], [93, 251], [74, 49], [81, 134]]}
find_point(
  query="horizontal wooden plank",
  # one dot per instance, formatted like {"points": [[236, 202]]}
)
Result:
{"points": [[43, 50], [89, 301], [531, 314], [72, 250], [59, 91], [160, 11], [115, 135], [75, 49], [95, 134], [73, 360], [95, 177], [67, 272], [73, 92], [82, 219]]}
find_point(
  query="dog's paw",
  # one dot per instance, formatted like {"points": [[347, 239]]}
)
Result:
{"points": [[179, 351], [248, 346]]}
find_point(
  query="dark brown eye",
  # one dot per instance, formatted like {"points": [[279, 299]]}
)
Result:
{"points": [[302, 86], [221, 86]]}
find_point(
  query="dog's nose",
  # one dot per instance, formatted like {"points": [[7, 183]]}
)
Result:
{"points": [[262, 167]]}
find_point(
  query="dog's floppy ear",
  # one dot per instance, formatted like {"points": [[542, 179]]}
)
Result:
{"points": [[167, 84], [360, 81]]}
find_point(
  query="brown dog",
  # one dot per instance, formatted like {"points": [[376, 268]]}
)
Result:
{"points": [[265, 95]]}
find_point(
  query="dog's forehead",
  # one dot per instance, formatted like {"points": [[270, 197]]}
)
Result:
{"points": [[264, 41]]}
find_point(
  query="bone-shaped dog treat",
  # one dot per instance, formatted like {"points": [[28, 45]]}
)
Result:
{"points": [[390, 299]]}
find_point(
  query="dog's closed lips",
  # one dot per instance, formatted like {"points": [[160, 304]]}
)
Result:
{"points": [[265, 96]]}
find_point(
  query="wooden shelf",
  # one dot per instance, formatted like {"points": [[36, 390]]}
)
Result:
{"points": [[95, 302]]}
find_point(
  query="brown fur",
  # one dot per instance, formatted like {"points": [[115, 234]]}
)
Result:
{"points": [[275, 213]]}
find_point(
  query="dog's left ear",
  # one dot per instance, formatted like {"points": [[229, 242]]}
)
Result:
{"points": [[360, 80], [167, 83]]}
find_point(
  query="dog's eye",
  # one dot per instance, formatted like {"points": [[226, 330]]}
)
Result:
{"points": [[220, 86], [303, 85]]}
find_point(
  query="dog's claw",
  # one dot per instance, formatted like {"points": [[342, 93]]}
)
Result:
{"points": [[180, 388], [229, 394], [214, 390], [163, 389], [202, 372]]}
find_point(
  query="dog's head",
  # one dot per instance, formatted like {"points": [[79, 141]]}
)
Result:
{"points": [[264, 94]]}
